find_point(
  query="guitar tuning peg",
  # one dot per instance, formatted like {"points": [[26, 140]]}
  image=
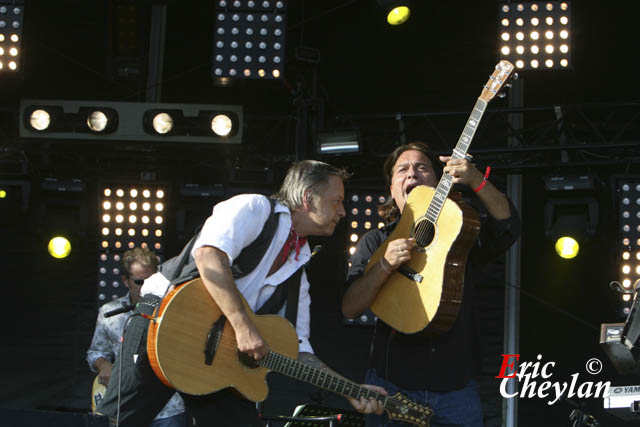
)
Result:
{"points": [[502, 95], [515, 76], [508, 85]]}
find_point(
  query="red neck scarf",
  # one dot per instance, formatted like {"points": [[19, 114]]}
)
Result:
{"points": [[293, 241]]}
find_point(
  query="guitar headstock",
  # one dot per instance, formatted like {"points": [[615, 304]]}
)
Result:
{"points": [[500, 75], [402, 409]]}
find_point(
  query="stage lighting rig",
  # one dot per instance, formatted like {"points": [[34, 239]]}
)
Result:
{"points": [[535, 35], [249, 39], [129, 121], [11, 20], [571, 212], [628, 241], [362, 216], [131, 215]]}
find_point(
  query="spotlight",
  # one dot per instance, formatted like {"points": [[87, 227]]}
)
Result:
{"points": [[570, 213], [567, 247], [396, 12], [59, 247], [99, 119], [40, 120], [221, 124], [162, 123]]}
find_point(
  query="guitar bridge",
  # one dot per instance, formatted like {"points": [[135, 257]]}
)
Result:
{"points": [[213, 341]]}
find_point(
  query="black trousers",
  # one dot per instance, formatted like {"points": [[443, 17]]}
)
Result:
{"points": [[142, 394]]}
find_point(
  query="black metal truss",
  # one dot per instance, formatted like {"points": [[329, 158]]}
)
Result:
{"points": [[573, 135]]}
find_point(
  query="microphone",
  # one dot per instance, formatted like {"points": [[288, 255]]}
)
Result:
{"points": [[316, 250], [123, 309]]}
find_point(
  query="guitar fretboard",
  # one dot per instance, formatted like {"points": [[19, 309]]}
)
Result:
{"points": [[445, 184], [294, 369], [397, 406]]}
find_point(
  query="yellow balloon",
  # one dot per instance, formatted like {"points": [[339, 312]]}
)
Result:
{"points": [[59, 247]]}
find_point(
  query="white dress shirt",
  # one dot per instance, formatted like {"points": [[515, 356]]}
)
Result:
{"points": [[232, 226]]}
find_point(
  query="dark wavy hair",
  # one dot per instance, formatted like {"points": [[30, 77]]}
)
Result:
{"points": [[389, 210]]}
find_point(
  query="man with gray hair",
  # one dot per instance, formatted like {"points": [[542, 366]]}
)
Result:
{"points": [[309, 203]]}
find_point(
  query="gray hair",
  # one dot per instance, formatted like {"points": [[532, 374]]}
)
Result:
{"points": [[306, 175]]}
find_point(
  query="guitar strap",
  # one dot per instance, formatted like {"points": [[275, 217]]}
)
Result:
{"points": [[288, 291]]}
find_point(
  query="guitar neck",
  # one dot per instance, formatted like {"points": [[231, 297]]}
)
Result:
{"points": [[308, 374], [398, 407], [445, 184]]}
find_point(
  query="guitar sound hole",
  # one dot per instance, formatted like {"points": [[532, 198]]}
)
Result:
{"points": [[424, 232]]}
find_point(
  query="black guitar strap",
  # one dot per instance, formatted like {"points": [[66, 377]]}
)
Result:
{"points": [[288, 291]]}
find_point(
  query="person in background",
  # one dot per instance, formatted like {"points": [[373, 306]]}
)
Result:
{"points": [[137, 265]]}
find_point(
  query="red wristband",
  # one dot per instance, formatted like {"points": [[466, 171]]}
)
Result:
{"points": [[487, 171]]}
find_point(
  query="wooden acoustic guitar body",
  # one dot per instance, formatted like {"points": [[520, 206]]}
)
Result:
{"points": [[177, 340], [409, 306]]}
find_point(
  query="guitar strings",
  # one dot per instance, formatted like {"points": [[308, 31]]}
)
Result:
{"points": [[231, 343], [421, 233]]}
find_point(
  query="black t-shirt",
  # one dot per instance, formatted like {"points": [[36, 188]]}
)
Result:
{"points": [[443, 362]]}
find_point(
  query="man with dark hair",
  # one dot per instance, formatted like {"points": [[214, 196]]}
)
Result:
{"points": [[437, 370], [137, 265], [308, 203]]}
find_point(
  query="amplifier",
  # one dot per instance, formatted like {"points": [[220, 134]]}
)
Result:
{"points": [[619, 354], [624, 402]]}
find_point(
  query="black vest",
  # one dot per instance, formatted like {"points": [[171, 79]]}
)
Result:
{"points": [[182, 268]]}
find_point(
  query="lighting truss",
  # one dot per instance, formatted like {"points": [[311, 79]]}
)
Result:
{"points": [[628, 245], [103, 120], [130, 216], [11, 20], [535, 35], [249, 39]]}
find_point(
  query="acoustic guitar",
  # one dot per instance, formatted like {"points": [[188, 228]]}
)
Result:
{"points": [[427, 290], [193, 349]]}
